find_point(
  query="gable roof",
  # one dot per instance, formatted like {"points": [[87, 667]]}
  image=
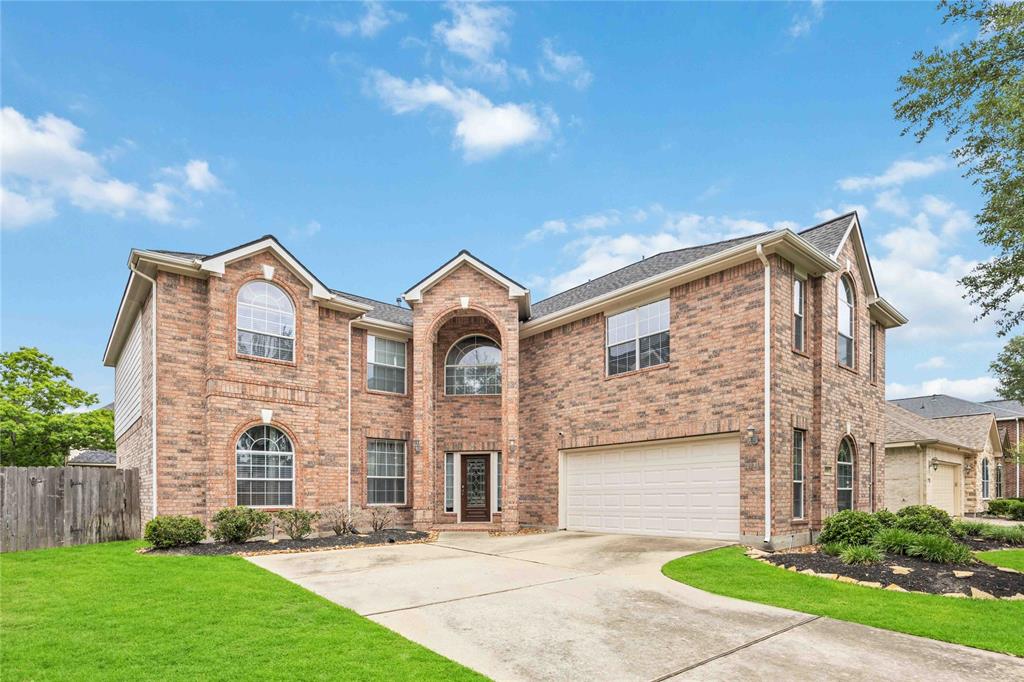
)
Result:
{"points": [[973, 429], [903, 426], [515, 289], [1006, 408], [386, 312], [940, 405]]}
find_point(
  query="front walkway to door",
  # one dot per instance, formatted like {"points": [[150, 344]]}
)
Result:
{"points": [[565, 605]]}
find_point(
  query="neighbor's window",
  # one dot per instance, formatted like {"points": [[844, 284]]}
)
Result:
{"points": [[385, 364], [638, 335], [798, 313], [999, 480], [873, 352], [265, 321], [844, 312], [984, 479], [264, 468], [473, 367], [798, 474], [844, 475], [385, 471], [449, 482]]}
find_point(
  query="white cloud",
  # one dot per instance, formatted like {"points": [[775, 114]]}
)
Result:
{"points": [[934, 362], [546, 228], [892, 201], [599, 221], [601, 255], [978, 388], [43, 163], [954, 220], [474, 32], [567, 67], [918, 246], [307, 230], [482, 128], [805, 20], [375, 19], [898, 173]]}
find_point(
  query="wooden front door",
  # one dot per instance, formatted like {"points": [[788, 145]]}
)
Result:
{"points": [[476, 488]]}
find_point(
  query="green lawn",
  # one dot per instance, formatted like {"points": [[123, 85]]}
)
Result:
{"points": [[992, 625], [1010, 558], [105, 612]]}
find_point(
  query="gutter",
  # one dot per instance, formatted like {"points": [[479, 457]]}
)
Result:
{"points": [[152, 409], [767, 394]]}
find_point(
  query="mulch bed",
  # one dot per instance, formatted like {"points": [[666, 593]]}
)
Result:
{"points": [[926, 576], [982, 545], [287, 545]]}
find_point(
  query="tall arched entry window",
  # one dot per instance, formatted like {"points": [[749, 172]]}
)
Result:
{"points": [[844, 474], [473, 367], [264, 468]]}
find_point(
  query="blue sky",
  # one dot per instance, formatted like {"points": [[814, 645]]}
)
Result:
{"points": [[556, 141]]}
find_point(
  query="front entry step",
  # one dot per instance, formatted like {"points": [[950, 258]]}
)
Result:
{"points": [[466, 527]]}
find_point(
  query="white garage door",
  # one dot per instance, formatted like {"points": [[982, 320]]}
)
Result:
{"points": [[677, 488], [944, 488]]}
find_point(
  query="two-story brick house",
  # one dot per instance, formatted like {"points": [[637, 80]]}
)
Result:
{"points": [[733, 390]]}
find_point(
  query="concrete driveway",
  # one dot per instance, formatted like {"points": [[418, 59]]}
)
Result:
{"points": [[564, 605]]}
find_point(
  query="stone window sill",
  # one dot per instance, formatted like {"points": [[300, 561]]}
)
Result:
{"points": [[635, 372]]}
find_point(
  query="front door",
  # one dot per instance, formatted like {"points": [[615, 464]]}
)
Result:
{"points": [[476, 494]]}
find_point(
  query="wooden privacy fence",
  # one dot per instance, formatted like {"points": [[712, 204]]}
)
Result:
{"points": [[61, 506]]}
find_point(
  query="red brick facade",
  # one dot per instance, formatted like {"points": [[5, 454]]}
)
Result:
{"points": [[556, 394]]}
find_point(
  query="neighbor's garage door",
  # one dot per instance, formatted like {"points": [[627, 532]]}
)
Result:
{"points": [[678, 488], [944, 488]]}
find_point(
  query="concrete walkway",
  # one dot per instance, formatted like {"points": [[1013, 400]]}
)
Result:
{"points": [[562, 606]]}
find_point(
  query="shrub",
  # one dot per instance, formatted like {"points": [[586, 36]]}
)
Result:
{"points": [[380, 518], [340, 519], [1011, 535], [1000, 506], [174, 531], [860, 554], [924, 519], [894, 540], [238, 524], [886, 518], [832, 548], [969, 529], [940, 549], [1017, 510], [297, 523], [850, 527]]}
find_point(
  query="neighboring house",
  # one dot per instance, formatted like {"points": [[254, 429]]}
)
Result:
{"points": [[948, 462], [1008, 477], [643, 401], [91, 458]]}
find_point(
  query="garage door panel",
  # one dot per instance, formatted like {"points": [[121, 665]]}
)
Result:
{"points": [[686, 489]]}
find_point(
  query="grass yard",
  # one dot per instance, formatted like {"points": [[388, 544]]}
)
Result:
{"points": [[1008, 558], [105, 612], [992, 625]]}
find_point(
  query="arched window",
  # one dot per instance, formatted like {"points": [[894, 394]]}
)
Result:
{"points": [[844, 475], [985, 479], [265, 322], [473, 367], [844, 321], [264, 468]]}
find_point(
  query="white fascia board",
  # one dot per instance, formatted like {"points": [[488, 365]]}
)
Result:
{"points": [[384, 328], [886, 313], [215, 265], [515, 291], [862, 255]]}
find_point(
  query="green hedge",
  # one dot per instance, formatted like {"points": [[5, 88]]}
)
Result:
{"points": [[174, 531]]}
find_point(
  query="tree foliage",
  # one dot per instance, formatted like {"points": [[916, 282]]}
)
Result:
{"points": [[40, 412], [975, 92], [1009, 369]]}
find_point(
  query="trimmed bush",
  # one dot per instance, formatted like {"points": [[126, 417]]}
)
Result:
{"points": [[1000, 506], [894, 540], [1011, 535], [340, 519], [174, 531], [297, 523], [238, 524], [940, 549], [1017, 510], [860, 554], [850, 527], [381, 518], [886, 518], [924, 519]]}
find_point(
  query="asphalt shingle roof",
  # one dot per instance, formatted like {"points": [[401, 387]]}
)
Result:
{"points": [[973, 429], [387, 312], [903, 426], [92, 457], [1006, 407], [940, 405], [828, 236]]}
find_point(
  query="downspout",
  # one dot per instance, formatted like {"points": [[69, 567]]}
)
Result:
{"points": [[152, 337], [767, 395]]}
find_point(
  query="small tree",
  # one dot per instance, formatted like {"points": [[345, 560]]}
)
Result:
{"points": [[341, 520], [381, 518], [1009, 369]]}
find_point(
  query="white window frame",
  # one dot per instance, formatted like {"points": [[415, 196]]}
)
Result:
{"points": [[371, 342], [636, 336], [844, 286], [986, 479], [240, 328], [404, 477], [873, 352], [449, 474], [799, 448], [799, 313], [495, 480], [501, 366], [853, 472], [290, 453]]}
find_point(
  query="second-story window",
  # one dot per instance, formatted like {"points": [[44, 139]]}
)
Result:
{"points": [[638, 338], [265, 321], [844, 315], [798, 314], [873, 352], [385, 364], [473, 367]]}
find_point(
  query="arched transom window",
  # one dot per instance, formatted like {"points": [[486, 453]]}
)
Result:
{"points": [[844, 475], [265, 468], [265, 322], [473, 367], [844, 313]]}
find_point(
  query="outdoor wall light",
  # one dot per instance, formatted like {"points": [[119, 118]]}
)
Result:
{"points": [[935, 463], [751, 436], [416, 446]]}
